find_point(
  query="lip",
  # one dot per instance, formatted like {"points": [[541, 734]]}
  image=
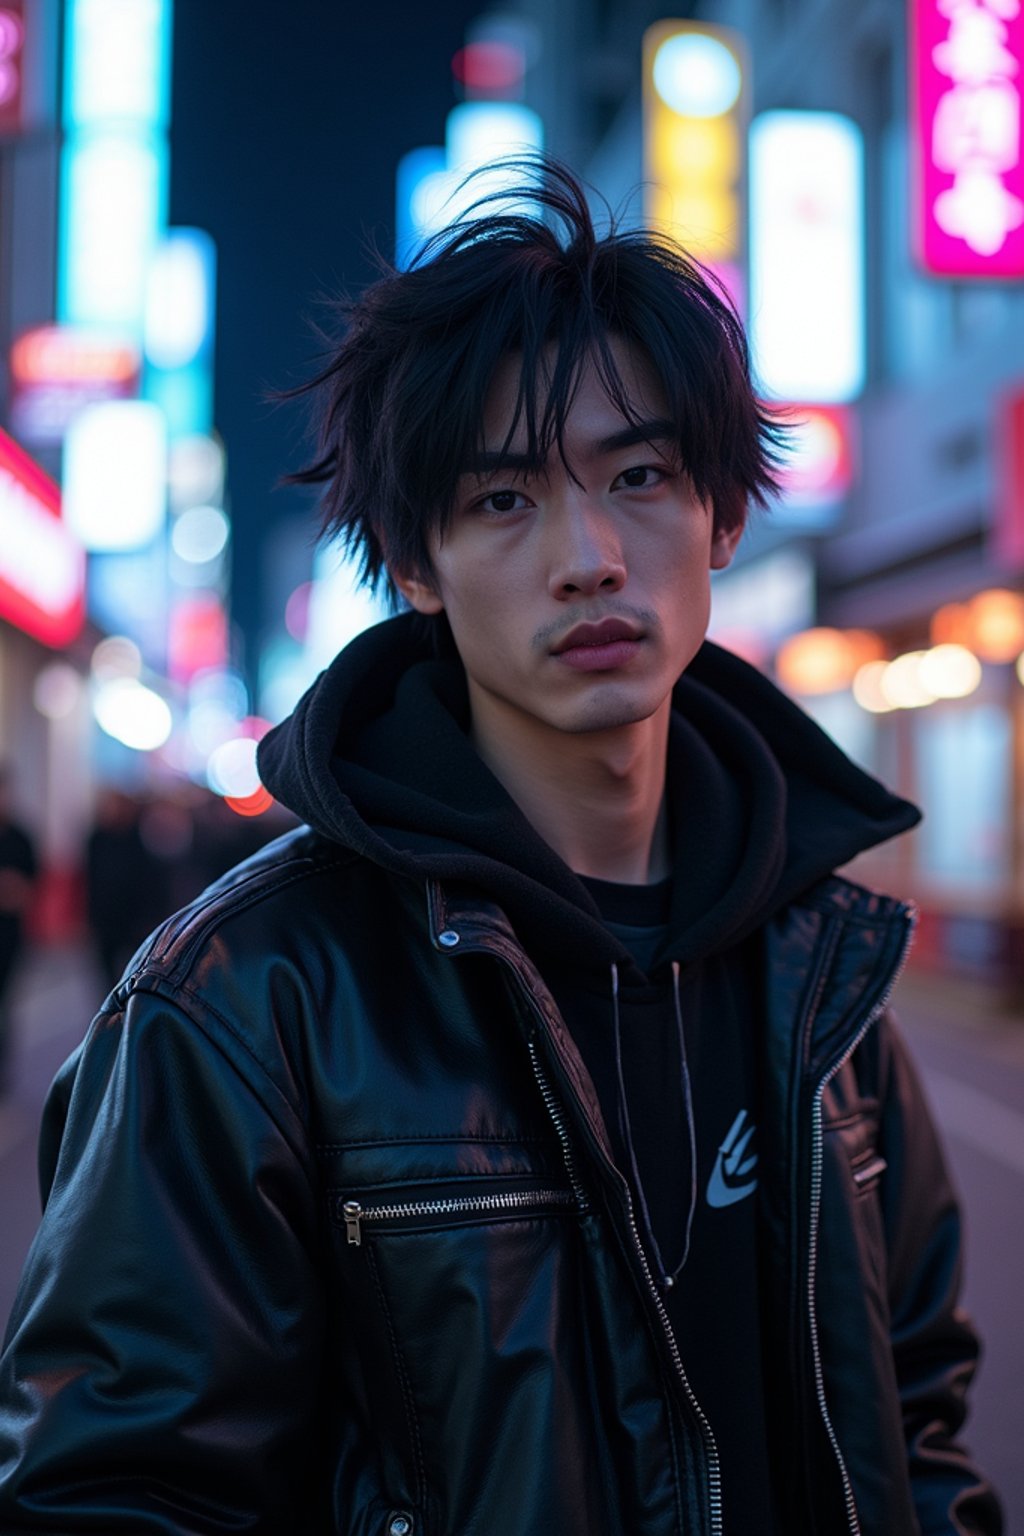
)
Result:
{"points": [[608, 632]]}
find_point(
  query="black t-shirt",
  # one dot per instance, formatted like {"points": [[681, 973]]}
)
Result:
{"points": [[714, 1300]]}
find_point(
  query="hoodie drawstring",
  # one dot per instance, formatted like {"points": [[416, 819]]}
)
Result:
{"points": [[668, 1278]]}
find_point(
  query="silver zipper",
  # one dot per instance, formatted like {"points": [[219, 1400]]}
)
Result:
{"points": [[817, 1161], [710, 1446], [714, 1466], [555, 1111], [512, 1200]]}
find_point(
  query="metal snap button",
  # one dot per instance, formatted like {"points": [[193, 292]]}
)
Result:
{"points": [[449, 938], [400, 1525]]}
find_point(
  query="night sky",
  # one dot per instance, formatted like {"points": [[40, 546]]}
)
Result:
{"points": [[288, 121]]}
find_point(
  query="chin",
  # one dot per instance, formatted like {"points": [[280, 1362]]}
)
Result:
{"points": [[610, 714]]}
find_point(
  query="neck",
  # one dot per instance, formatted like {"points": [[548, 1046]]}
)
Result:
{"points": [[597, 798]]}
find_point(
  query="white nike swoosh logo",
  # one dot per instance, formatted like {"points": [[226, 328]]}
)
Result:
{"points": [[728, 1182]]}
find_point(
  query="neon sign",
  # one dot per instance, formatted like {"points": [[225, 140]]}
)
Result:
{"points": [[807, 256], [12, 38], [695, 113], [967, 58], [119, 52], [57, 370], [818, 470], [42, 566]]}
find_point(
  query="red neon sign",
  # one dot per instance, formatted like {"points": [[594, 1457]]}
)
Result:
{"points": [[819, 469], [966, 60], [58, 369], [12, 38], [67, 354], [42, 565]]}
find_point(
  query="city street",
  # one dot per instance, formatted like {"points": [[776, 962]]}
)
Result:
{"points": [[973, 1062]]}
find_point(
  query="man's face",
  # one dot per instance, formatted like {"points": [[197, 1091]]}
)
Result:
{"points": [[575, 603]]}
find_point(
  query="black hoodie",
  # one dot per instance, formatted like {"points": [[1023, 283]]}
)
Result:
{"points": [[376, 756], [762, 804]]}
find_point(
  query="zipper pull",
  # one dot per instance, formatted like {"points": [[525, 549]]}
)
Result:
{"points": [[353, 1213]]}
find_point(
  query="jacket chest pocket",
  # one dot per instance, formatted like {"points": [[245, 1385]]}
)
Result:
{"points": [[459, 1295]]}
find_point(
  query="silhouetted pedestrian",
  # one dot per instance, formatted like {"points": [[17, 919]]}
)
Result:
{"points": [[123, 883], [18, 870]]}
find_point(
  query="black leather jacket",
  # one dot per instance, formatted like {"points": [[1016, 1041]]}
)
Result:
{"points": [[333, 1242]]}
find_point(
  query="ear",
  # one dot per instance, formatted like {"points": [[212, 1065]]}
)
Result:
{"points": [[418, 593], [723, 545]]}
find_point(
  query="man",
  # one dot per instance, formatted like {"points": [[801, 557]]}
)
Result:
{"points": [[18, 871], [524, 1146]]}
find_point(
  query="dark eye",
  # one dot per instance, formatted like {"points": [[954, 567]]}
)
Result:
{"points": [[641, 475], [499, 502]]}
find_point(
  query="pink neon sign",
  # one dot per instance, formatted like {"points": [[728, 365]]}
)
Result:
{"points": [[967, 62]]}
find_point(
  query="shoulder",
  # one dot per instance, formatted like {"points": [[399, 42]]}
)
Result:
{"points": [[263, 959], [299, 890]]}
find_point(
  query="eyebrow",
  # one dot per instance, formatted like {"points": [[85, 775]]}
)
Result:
{"points": [[489, 461]]}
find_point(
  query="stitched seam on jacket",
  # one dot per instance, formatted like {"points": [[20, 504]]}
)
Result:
{"points": [[207, 1034], [203, 903], [242, 898], [403, 1380]]}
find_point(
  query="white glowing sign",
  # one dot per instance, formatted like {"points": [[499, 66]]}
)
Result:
{"points": [[179, 299], [119, 54], [807, 256], [966, 59], [114, 197], [476, 134], [115, 475]]}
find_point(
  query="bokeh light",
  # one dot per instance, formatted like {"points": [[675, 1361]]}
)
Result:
{"points": [[133, 714]]}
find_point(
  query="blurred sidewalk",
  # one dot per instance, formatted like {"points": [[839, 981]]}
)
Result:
{"points": [[56, 993]]}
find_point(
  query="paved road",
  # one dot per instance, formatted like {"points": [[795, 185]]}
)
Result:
{"points": [[972, 1057]]}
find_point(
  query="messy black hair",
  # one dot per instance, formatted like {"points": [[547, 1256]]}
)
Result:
{"points": [[399, 404]]}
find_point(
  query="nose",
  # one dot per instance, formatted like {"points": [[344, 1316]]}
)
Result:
{"points": [[588, 555]]}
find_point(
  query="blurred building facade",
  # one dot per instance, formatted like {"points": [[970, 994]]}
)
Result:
{"points": [[118, 658], [924, 548], [45, 727]]}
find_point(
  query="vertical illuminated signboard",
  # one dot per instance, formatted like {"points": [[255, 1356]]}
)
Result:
{"points": [[695, 113], [114, 165], [112, 208], [967, 63], [807, 256], [178, 331]]}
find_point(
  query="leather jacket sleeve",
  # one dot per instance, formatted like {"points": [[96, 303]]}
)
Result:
{"points": [[935, 1348], [160, 1372]]}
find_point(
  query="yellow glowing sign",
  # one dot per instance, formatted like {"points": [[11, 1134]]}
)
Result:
{"points": [[695, 118]]}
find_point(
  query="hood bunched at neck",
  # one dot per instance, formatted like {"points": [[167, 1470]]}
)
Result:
{"points": [[762, 803]]}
